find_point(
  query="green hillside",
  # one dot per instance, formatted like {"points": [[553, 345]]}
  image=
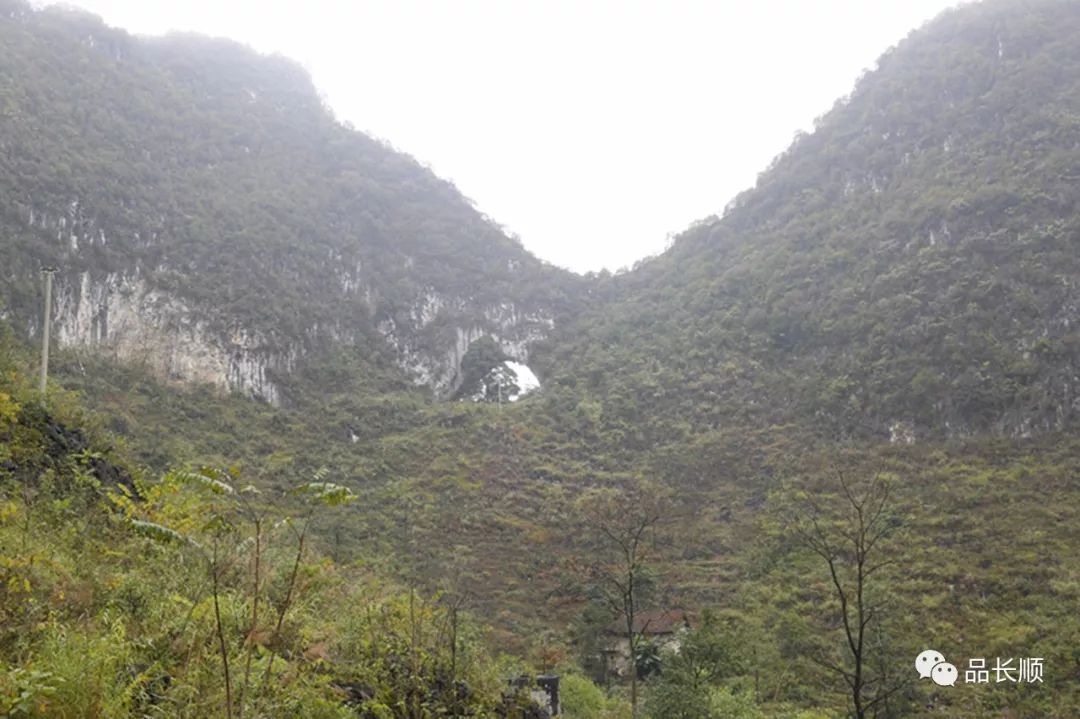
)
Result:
{"points": [[913, 261], [897, 298]]}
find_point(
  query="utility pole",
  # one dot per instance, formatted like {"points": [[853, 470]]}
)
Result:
{"points": [[45, 323]]}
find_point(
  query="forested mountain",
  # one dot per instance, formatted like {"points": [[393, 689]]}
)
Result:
{"points": [[211, 217], [909, 268], [246, 284]]}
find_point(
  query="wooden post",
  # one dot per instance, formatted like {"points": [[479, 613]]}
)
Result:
{"points": [[46, 322]]}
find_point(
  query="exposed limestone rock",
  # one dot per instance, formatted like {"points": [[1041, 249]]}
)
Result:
{"points": [[508, 382], [901, 433], [430, 343], [121, 315]]}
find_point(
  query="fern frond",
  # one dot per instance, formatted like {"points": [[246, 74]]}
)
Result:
{"points": [[204, 478], [159, 533], [326, 493]]}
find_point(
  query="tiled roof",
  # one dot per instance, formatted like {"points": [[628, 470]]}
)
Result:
{"points": [[656, 622]]}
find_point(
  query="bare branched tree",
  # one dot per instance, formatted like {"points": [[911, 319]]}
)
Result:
{"points": [[624, 525], [852, 540]]}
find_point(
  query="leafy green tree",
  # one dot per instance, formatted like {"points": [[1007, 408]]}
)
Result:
{"points": [[480, 372], [590, 634], [582, 699], [692, 673]]}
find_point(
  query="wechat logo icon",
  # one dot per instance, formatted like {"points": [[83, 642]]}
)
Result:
{"points": [[931, 664]]}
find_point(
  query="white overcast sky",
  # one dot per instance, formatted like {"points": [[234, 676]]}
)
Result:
{"points": [[593, 129]]}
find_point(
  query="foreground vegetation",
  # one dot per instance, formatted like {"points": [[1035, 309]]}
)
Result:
{"points": [[197, 595]]}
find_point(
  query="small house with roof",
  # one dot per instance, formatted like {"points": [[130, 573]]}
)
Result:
{"points": [[662, 628]]}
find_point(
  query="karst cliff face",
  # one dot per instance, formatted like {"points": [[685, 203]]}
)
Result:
{"points": [[123, 316], [120, 316]]}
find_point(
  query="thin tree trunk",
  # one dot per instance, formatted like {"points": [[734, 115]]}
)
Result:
{"points": [[221, 634], [414, 658], [285, 605], [632, 644], [254, 617], [631, 589], [453, 646]]}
